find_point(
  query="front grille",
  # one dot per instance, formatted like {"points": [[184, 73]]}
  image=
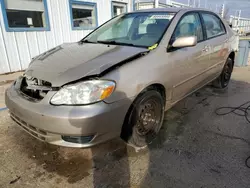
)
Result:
{"points": [[35, 94], [38, 133]]}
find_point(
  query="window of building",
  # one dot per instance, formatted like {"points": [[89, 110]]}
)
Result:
{"points": [[214, 26], [83, 15], [118, 8], [25, 15]]}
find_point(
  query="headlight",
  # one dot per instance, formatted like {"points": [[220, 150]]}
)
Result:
{"points": [[84, 92]]}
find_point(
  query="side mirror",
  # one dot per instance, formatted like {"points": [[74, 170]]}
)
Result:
{"points": [[185, 42]]}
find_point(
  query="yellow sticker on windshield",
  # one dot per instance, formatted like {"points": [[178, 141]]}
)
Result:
{"points": [[153, 47]]}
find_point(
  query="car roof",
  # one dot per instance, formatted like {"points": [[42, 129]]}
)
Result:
{"points": [[172, 9]]}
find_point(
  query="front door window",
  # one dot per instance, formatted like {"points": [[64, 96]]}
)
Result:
{"points": [[190, 25]]}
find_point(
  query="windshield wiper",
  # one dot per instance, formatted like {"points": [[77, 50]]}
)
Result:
{"points": [[87, 41], [114, 42]]}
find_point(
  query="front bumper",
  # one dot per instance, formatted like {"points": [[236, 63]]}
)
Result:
{"points": [[97, 122]]}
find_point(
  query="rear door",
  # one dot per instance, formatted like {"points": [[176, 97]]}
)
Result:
{"points": [[217, 42], [188, 64]]}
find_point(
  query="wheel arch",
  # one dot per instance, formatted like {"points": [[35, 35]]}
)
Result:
{"points": [[155, 86], [232, 56]]}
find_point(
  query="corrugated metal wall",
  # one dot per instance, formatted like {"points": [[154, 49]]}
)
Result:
{"points": [[140, 6], [146, 5], [17, 48]]}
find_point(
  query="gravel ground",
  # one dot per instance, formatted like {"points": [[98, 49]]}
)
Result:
{"points": [[195, 148]]}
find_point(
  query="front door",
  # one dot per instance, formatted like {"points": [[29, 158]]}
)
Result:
{"points": [[188, 63]]}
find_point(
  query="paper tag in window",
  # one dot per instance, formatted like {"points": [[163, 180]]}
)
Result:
{"points": [[29, 21], [162, 16]]}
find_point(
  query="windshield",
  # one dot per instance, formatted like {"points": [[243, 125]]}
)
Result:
{"points": [[143, 29]]}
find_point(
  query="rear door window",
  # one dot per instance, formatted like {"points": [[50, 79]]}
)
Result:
{"points": [[213, 25]]}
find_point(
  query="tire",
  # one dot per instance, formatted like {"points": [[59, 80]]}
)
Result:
{"points": [[223, 80], [144, 119]]}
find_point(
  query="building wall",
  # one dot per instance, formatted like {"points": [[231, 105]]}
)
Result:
{"points": [[18, 48], [150, 5], [142, 4]]}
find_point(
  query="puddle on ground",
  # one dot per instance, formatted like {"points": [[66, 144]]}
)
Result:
{"points": [[76, 164], [53, 160]]}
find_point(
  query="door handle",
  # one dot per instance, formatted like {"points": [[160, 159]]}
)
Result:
{"points": [[205, 49]]}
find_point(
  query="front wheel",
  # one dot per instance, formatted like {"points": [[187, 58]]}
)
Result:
{"points": [[144, 119], [223, 80]]}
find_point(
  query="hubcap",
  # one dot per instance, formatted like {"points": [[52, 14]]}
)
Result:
{"points": [[149, 116]]}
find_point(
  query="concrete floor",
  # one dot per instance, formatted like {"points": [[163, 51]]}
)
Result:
{"points": [[5, 81], [195, 148]]}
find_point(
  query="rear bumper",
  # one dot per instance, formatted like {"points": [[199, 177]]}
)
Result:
{"points": [[96, 123]]}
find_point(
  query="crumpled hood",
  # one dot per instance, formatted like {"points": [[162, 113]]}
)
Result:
{"points": [[73, 61]]}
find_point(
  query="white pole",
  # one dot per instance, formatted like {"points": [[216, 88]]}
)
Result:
{"points": [[222, 10], [205, 3], [239, 20], [156, 3]]}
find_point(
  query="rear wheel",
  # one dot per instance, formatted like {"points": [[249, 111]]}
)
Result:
{"points": [[144, 119], [223, 80]]}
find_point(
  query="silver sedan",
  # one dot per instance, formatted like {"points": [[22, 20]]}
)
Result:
{"points": [[119, 80]]}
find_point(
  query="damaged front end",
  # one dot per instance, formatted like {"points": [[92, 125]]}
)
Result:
{"points": [[32, 88], [35, 87]]}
